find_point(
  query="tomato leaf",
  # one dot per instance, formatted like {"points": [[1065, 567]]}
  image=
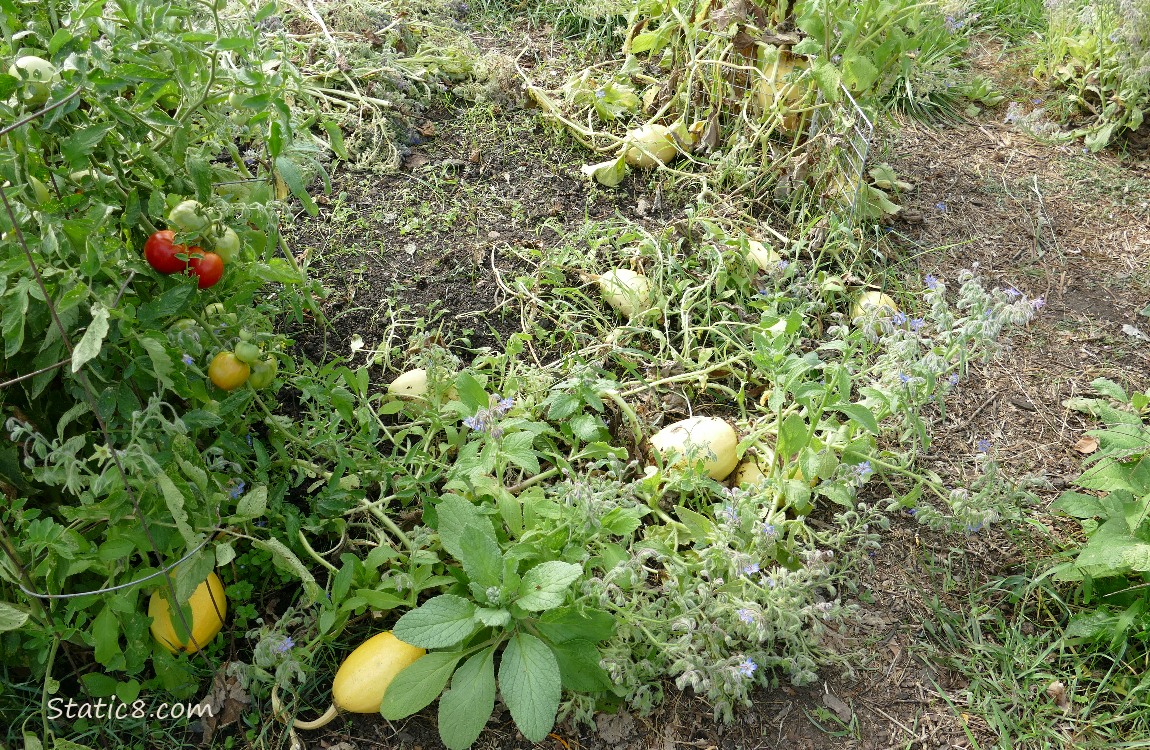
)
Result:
{"points": [[11, 618], [293, 178], [106, 636], [530, 685], [465, 708], [93, 340], [286, 559], [440, 622], [161, 361], [174, 499], [82, 142], [253, 504], [418, 685]]}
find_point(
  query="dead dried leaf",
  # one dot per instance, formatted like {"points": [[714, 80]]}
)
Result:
{"points": [[224, 704], [836, 704], [1057, 692], [614, 729], [1086, 445]]}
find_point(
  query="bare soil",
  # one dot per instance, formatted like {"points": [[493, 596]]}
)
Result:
{"points": [[1050, 221]]}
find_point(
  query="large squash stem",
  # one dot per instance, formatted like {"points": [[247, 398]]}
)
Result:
{"points": [[322, 721]]}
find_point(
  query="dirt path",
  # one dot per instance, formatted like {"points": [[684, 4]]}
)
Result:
{"points": [[1070, 228]]}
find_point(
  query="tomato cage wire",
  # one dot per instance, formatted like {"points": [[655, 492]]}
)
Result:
{"points": [[857, 150], [848, 132]]}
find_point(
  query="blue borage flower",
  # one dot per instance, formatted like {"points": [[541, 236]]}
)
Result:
{"points": [[188, 359], [747, 667], [284, 646], [485, 419], [236, 489], [983, 446], [746, 615], [769, 531], [932, 282], [750, 569]]}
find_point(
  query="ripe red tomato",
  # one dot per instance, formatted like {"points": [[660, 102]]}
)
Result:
{"points": [[208, 266], [160, 251]]}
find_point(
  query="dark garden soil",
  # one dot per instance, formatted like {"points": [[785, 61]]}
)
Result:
{"points": [[1051, 221]]}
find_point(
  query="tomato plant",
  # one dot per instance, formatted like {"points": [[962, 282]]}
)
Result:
{"points": [[188, 216], [162, 252], [209, 267], [227, 372], [264, 372], [226, 244], [248, 352]]}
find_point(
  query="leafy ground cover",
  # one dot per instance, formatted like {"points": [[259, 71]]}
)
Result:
{"points": [[887, 583]]}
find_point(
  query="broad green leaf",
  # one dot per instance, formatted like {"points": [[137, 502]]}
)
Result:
{"points": [[11, 618], [859, 73], [1078, 505], [530, 685], [623, 521], [285, 559], [700, 527], [860, 415], [81, 143], [465, 708], [438, 623], [225, 553], [579, 666], [161, 360], [62, 744], [792, 436], [293, 178], [418, 685], [607, 173], [106, 636], [567, 624], [480, 556], [1109, 388], [93, 338], [493, 618], [517, 448], [827, 76], [174, 499], [471, 393], [253, 504], [545, 586], [455, 514]]}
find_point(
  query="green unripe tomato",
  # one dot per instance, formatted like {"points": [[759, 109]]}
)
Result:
{"points": [[248, 352], [226, 244], [263, 372], [38, 76], [188, 216], [39, 191]]}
